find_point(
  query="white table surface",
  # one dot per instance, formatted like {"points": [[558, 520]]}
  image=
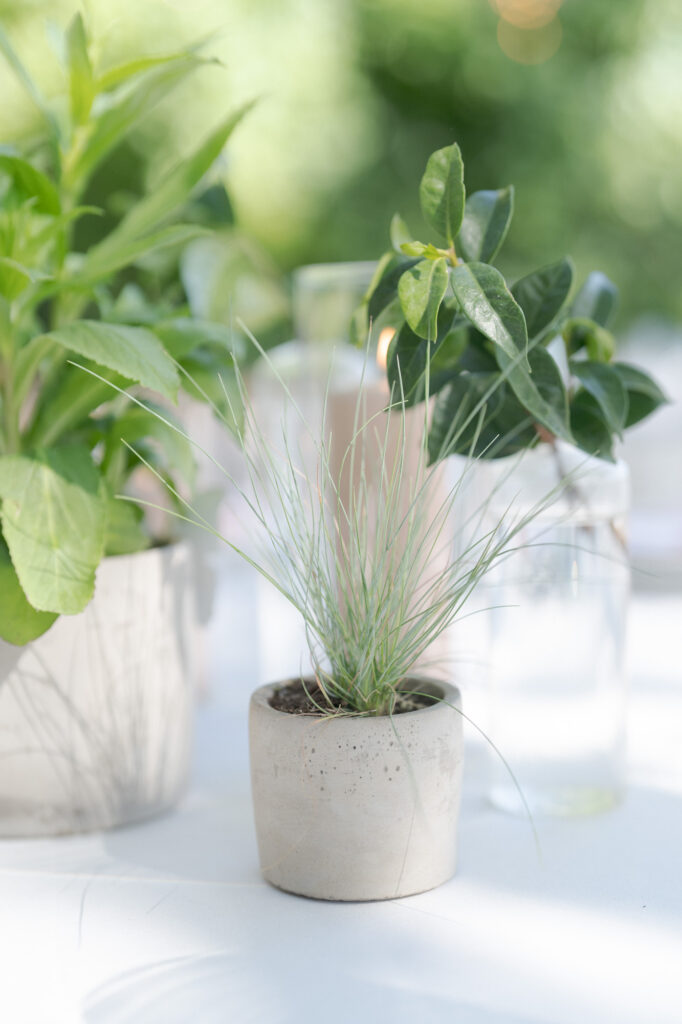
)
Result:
{"points": [[170, 923]]}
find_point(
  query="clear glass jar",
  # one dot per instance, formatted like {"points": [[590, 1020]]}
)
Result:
{"points": [[557, 610]]}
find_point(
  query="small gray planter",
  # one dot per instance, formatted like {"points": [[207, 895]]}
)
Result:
{"points": [[357, 808]]}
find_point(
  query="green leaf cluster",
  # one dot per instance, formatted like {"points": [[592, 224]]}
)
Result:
{"points": [[509, 367], [68, 438]]}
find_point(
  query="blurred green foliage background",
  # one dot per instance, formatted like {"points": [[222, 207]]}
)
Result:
{"points": [[578, 104]]}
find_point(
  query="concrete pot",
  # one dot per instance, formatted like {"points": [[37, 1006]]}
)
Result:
{"points": [[96, 714], [357, 808]]}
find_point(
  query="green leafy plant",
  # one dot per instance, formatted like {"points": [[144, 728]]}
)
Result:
{"points": [[63, 453], [542, 363]]}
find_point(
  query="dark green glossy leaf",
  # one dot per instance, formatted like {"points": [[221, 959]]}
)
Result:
{"points": [[487, 302], [589, 429], [441, 192], [596, 300], [607, 389], [421, 290], [409, 355], [542, 294], [487, 216], [541, 391], [644, 394]]}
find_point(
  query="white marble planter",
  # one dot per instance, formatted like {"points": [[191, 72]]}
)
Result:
{"points": [[96, 715], [357, 808]]}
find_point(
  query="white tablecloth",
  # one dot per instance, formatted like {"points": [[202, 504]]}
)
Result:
{"points": [[170, 923]]}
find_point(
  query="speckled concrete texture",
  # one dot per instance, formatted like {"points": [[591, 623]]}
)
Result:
{"points": [[351, 808]]}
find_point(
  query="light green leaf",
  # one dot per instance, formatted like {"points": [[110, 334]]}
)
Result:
{"points": [[441, 192], [132, 351], [19, 621], [68, 404], [487, 302], [487, 216], [27, 82], [173, 190], [644, 394], [607, 389], [596, 300], [142, 424], [121, 73], [421, 290], [53, 520], [125, 533], [15, 277], [81, 83], [580, 332], [542, 294], [30, 183], [399, 232], [105, 259], [120, 114]]}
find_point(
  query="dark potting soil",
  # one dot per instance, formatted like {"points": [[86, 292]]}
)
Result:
{"points": [[304, 697]]}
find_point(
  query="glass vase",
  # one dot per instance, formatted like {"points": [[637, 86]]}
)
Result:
{"points": [[556, 610]]}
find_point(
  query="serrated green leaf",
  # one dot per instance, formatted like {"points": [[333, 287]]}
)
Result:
{"points": [[487, 216], [30, 183], [19, 621], [132, 351], [542, 294], [81, 82], [605, 386], [53, 520], [596, 300], [421, 290], [487, 302], [441, 192], [644, 394]]}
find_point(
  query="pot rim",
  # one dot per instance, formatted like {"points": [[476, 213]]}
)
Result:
{"points": [[451, 698]]}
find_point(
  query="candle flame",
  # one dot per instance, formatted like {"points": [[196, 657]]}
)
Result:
{"points": [[385, 338]]}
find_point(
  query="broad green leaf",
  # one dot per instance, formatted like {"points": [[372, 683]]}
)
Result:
{"points": [[479, 416], [596, 300], [441, 192], [125, 533], [542, 294], [590, 431], [105, 259], [81, 82], [132, 351], [607, 389], [487, 302], [121, 112], [421, 290], [169, 194], [53, 520], [541, 391], [487, 216], [30, 183], [19, 621], [400, 233], [644, 394]]}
